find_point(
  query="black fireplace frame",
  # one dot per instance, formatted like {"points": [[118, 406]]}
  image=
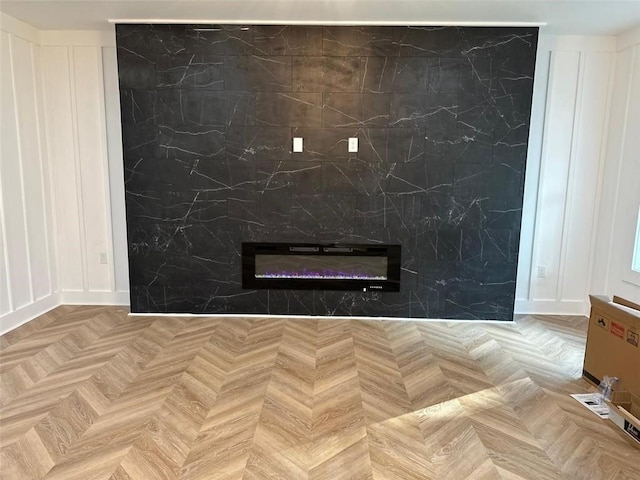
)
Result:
{"points": [[390, 284]]}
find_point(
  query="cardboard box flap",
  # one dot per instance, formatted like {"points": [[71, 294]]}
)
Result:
{"points": [[630, 402], [626, 303], [616, 311]]}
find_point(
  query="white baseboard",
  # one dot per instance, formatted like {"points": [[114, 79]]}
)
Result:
{"points": [[94, 298], [22, 315], [552, 307]]}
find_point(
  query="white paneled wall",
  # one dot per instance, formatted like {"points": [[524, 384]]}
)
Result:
{"points": [[620, 201], [27, 267], [556, 159], [570, 163], [76, 122], [55, 199], [62, 152], [583, 193], [62, 197]]}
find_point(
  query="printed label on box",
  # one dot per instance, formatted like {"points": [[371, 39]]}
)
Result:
{"points": [[633, 338], [631, 430], [617, 329], [602, 323]]}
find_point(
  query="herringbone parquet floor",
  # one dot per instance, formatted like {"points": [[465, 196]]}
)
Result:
{"points": [[90, 393]]}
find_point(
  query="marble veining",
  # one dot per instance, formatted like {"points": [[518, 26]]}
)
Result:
{"points": [[442, 117]]}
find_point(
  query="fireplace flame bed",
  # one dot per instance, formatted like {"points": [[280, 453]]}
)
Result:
{"points": [[332, 266]]}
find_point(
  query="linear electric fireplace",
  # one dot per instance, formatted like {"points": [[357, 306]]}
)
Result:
{"points": [[321, 266]]}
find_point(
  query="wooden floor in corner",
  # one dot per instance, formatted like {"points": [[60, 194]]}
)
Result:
{"points": [[90, 393]]}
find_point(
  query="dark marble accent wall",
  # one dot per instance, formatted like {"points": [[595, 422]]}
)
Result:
{"points": [[208, 117]]}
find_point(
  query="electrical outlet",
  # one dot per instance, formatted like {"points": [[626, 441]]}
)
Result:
{"points": [[103, 258], [297, 145], [353, 144], [542, 271]]}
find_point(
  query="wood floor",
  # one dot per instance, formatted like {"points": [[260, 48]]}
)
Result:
{"points": [[90, 393]]}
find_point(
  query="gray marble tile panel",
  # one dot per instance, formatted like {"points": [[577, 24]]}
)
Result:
{"points": [[190, 71], [289, 109], [287, 40]]}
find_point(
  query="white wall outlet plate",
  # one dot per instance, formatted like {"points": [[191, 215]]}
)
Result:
{"points": [[542, 271], [353, 144], [297, 144]]}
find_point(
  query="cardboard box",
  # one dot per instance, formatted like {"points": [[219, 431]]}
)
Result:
{"points": [[624, 411], [613, 343]]}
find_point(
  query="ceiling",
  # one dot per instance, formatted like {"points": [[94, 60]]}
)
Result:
{"points": [[595, 17]]}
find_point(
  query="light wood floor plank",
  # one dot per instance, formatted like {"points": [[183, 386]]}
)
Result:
{"points": [[91, 393]]}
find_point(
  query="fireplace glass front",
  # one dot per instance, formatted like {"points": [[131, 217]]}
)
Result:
{"points": [[321, 266]]}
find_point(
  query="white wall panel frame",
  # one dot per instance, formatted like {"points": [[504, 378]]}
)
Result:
{"points": [[27, 259], [6, 302], [20, 129], [18, 260], [629, 185], [586, 169], [615, 232], [6, 97], [35, 207], [92, 166], [554, 172], [45, 178], [611, 178], [569, 205], [62, 137], [77, 168], [571, 166]]}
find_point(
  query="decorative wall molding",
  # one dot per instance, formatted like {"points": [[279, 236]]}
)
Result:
{"points": [[19, 29], [572, 162], [78, 38], [628, 39], [579, 43], [27, 239], [94, 298], [54, 173], [28, 312], [552, 307]]}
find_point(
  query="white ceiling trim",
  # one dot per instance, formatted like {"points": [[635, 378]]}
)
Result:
{"points": [[573, 17], [180, 21]]}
